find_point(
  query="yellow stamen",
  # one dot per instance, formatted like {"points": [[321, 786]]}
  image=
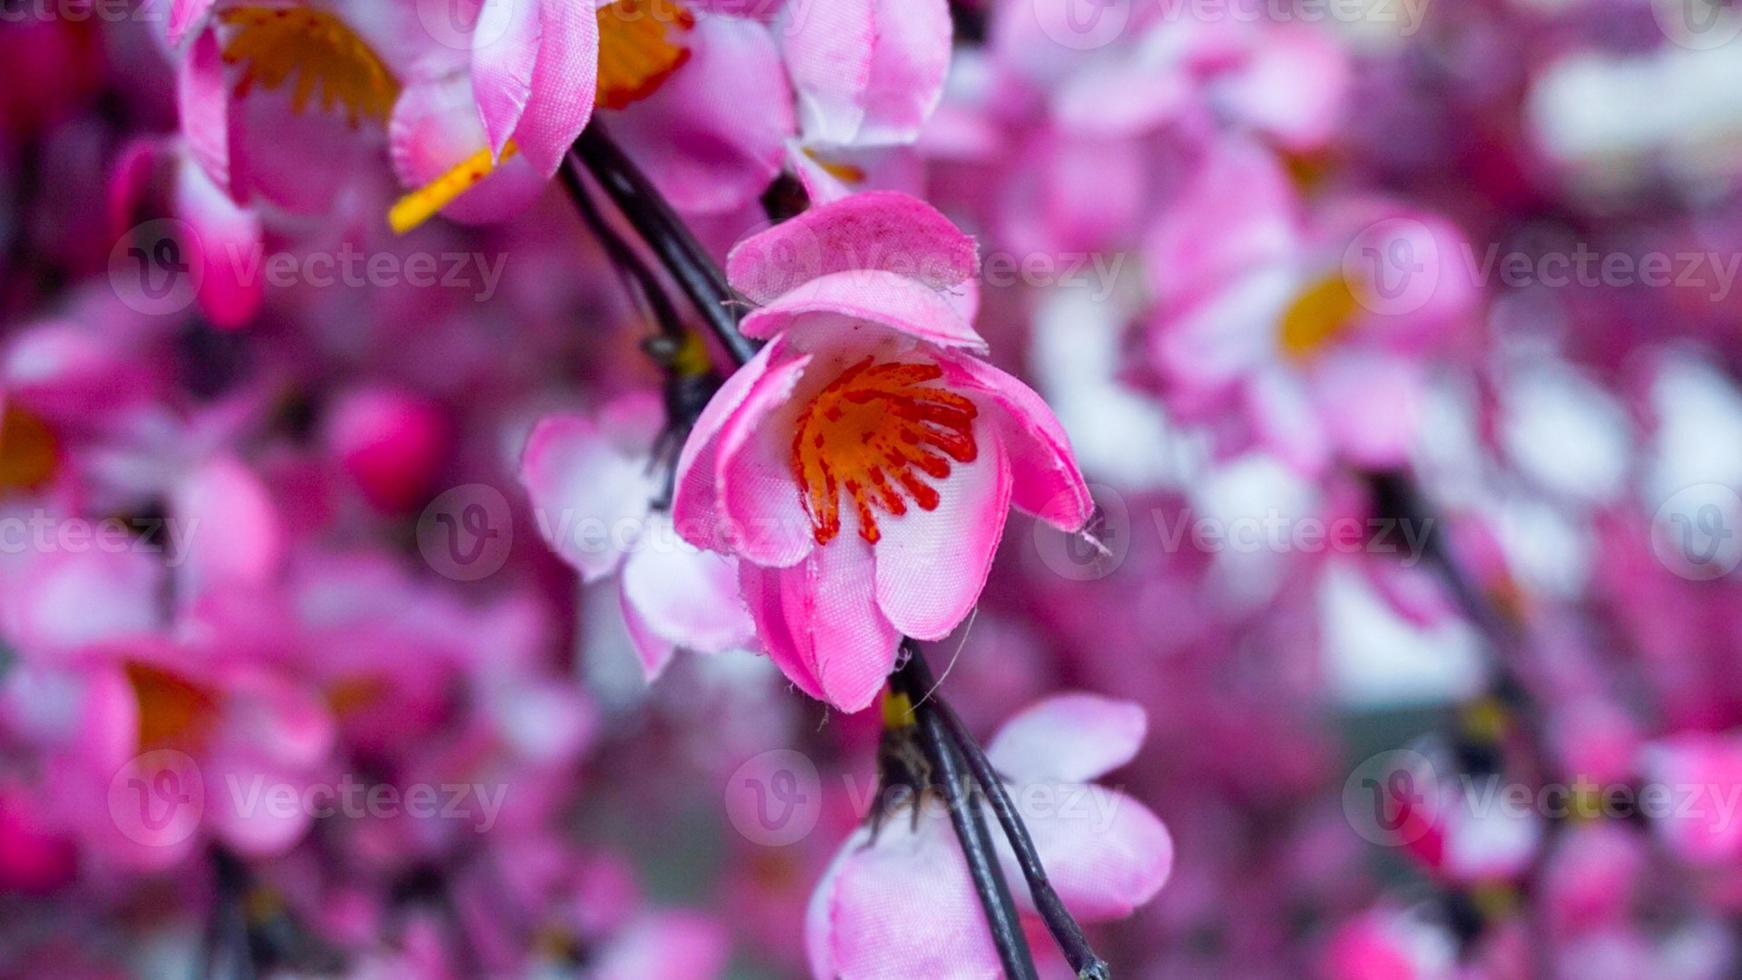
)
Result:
{"points": [[897, 710], [420, 205], [273, 43], [172, 709], [1321, 313], [641, 42], [846, 173]]}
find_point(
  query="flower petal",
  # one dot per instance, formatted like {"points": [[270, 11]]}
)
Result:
{"points": [[866, 71], [563, 81], [884, 230], [229, 249], [505, 43], [842, 300], [820, 623], [586, 492], [1069, 738], [758, 493], [687, 595], [900, 906], [1046, 480], [696, 504], [932, 565], [712, 137], [1104, 852]]}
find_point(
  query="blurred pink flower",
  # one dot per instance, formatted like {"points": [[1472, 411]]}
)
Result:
{"points": [[897, 902], [593, 484]]}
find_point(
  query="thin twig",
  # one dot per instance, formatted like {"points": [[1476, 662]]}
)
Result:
{"points": [[665, 233], [645, 282], [1059, 921], [914, 680]]}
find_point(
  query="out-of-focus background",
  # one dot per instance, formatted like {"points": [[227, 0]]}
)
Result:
{"points": [[1401, 341]]}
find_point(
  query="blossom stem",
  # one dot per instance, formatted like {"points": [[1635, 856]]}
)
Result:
{"points": [[1065, 930], [665, 233], [914, 679], [621, 254]]}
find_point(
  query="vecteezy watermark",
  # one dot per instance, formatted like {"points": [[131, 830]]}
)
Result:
{"points": [[1397, 798], [1096, 271], [158, 267], [1701, 25], [1695, 531], [40, 532], [466, 533], [775, 798], [159, 798]]}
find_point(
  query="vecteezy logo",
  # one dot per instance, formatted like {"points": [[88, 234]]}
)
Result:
{"points": [[774, 798], [1095, 552], [156, 267], [466, 533], [1392, 798], [1393, 266], [157, 798], [1697, 24], [1083, 25], [1695, 532]]}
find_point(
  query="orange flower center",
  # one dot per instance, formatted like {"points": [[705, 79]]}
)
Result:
{"points": [[172, 709], [28, 456], [641, 42], [275, 43], [1319, 314], [877, 433]]}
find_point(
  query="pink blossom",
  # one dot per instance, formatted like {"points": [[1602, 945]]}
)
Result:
{"points": [[861, 466], [593, 484], [897, 902]]}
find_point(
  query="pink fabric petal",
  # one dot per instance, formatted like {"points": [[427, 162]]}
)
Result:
{"points": [[435, 126], [1069, 738], [564, 82], [1236, 215], [884, 230], [234, 532], [1104, 852], [203, 102], [1284, 421], [1371, 404], [866, 71], [1293, 86], [909, 62], [820, 623], [229, 249], [505, 45], [932, 565], [758, 493], [654, 649], [1045, 479], [900, 907], [687, 595], [183, 14], [696, 505], [842, 301], [713, 136], [589, 498]]}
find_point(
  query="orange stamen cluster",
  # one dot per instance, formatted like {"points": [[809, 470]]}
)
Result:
{"points": [[641, 42], [275, 43], [29, 454], [875, 433], [172, 709]]}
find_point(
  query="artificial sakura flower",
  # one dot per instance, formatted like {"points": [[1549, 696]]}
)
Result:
{"points": [[1311, 339], [593, 483], [897, 901], [862, 464]]}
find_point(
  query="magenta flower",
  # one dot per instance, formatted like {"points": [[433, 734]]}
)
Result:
{"points": [[592, 484], [897, 901], [861, 466]]}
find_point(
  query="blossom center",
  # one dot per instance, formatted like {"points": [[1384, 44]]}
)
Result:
{"points": [[172, 709], [879, 434], [641, 42], [28, 456], [1318, 315], [274, 43]]}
